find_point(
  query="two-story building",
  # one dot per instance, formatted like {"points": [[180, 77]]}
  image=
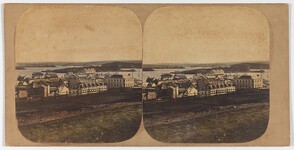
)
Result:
{"points": [[120, 81], [249, 82]]}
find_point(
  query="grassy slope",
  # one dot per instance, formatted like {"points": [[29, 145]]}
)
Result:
{"points": [[238, 117], [233, 126], [114, 125]]}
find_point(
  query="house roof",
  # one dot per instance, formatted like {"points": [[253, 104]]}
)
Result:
{"points": [[166, 75], [20, 78], [37, 74], [56, 83], [180, 75], [168, 84], [120, 76], [172, 84], [150, 79], [37, 84], [51, 74], [245, 77], [116, 76], [89, 84], [190, 89]]}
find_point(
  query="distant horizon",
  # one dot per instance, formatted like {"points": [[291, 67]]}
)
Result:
{"points": [[109, 61], [79, 61], [258, 61]]}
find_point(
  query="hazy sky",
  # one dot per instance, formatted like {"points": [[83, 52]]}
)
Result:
{"points": [[205, 34], [173, 34], [78, 33]]}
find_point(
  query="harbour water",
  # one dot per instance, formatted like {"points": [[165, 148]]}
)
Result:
{"points": [[137, 73]]}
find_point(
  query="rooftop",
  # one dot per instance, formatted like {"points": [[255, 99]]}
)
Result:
{"points": [[120, 76], [249, 77]]}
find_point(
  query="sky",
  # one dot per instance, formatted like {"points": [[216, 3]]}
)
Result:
{"points": [[205, 34], [172, 34], [78, 34]]}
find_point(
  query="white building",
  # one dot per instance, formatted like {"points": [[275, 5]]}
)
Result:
{"points": [[81, 84], [191, 91], [249, 82], [120, 81]]}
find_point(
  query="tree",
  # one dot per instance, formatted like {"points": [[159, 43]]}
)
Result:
{"points": [[155, 81], [27, 80], [37, 74], [149, 80], [20, 78]]}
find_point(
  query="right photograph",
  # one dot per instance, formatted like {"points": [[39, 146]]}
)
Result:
{"points": [[206, 74]]}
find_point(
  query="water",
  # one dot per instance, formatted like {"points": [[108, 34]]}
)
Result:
{"points": [[138, 74], [264, 75], [157, 72], [29, 70]]}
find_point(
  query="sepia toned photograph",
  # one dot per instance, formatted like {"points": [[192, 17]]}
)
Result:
{"points": [[78, 74], [146, 75], [206, 74]]}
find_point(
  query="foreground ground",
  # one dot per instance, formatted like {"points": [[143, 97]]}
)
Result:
{"points": [[238, 117], [93, 118]]}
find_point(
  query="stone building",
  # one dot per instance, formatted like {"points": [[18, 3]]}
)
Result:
{"points": [[88, 88], [216, 89], [120, 81], [81, 84], [249, 82]]}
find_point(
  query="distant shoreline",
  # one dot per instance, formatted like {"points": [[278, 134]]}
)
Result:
{"points": [[36, 65], [20, 68]]}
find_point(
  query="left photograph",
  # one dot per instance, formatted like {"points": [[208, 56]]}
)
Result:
{"points": [[78, 74]]}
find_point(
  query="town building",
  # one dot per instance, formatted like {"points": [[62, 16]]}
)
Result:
{"points": [[152, 82], [76, 79], [67, 75], [180, 77], [208, 90], [249, 82], [63, 90], [81, 84], [50, 75], [191, 91], [21, 90], [149, 94], [169, 89], [173, 91], [217, 72], [88, 88], [87, 71], [216, 89], [120, 81], [166, 76], [39, 90], [37, 75], [203, 81]]}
